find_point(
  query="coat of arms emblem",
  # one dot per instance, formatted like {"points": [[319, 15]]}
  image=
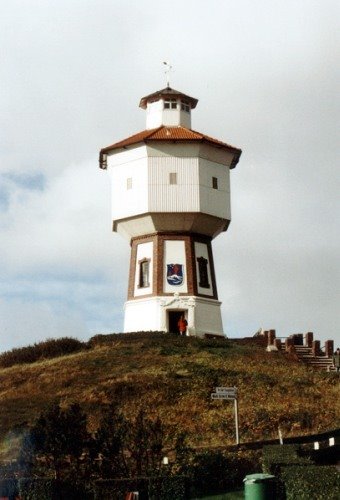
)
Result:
{"points": [[174, 274]]}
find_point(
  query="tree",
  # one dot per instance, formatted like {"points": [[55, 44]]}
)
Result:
{"points": [[183, 453], [110, 442], [212, 471], [145, 443], [59, 438]]}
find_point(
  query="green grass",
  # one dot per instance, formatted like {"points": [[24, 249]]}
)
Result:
{"points": [[173, 378]]}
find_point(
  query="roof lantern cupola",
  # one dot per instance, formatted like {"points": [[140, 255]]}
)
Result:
{"points": [[168, 107]]}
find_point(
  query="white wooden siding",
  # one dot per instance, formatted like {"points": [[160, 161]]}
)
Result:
{"points": [[180, 197], [129, 202], [214, 201], [156, 115]]}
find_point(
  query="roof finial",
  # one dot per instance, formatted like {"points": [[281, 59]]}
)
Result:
{"points": [[167, 72]]}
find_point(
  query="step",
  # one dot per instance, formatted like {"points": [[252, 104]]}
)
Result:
{"points": [[317, 362], [305, 354]]}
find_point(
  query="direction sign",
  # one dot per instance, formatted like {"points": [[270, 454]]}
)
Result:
{"points": [[215, 395], [226, 390]]}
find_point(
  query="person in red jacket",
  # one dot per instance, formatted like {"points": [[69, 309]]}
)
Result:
{"points": [[182, 325]]}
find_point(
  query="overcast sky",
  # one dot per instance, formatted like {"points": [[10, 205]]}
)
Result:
{"points": [[266, 73]]}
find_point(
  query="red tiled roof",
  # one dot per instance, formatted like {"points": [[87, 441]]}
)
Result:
{"points": [[164, 133]]}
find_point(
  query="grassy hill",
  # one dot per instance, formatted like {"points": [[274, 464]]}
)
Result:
{"points": [[173, 377]]}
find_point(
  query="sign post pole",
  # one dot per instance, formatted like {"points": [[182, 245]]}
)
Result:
{"points": [[230, 394], [236, 421]]}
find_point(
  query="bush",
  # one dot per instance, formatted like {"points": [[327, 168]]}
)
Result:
{"points": [[109, 338], [109, 489], [58, 439], [50, 489], [276, 456], [326, 456], [168, 488], [149, 488], [102, 339], [51, 348], [311, 482], [9, 488], [212, 472]]}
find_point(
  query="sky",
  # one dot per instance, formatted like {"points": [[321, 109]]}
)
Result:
{"points": [[72, 73]]}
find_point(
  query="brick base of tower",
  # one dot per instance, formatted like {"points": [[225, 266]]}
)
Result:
{"points": [[171, 275]]}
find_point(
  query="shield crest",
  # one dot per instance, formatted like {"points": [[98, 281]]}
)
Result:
{"points": [[175, 274]]}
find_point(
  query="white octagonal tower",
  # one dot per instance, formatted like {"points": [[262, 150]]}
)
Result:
{"points": [[170, 198]]}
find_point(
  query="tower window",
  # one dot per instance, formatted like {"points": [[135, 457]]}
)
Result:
{"points": [[215, 183], [144, 271], [173, 178], [185, 106], [129, 183], [170, 104], [203, 272]]}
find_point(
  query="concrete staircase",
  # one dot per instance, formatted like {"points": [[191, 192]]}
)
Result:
{"points": [[302, 346], [305, 354]]}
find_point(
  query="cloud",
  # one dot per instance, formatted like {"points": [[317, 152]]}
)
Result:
{"points": [[62, 268], [278, 263], [65, 225], [72, 74], [23, 322]]}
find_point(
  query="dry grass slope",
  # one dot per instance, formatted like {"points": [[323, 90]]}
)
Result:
{"points": [[173, 377]]}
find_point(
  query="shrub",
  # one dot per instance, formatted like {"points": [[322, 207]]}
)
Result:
{"points": [[311, 482], [109, 338], [9, 488], [51, 348], [102, 339], [326, 456], [168, 488], [276, 456], [110, 440], [58, 436], [50, 489], [145, 441], [149, 488], [212, 472], [107, 489]]}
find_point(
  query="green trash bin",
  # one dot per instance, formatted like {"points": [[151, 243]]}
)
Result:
{"points": [[260, 487]]}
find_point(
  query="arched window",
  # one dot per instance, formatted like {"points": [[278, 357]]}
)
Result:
{"points": [[144, 272], [203, 272]]}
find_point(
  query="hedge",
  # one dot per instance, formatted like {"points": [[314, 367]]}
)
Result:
{"points": [[276, 456], [311, 482], [9, 488], [168, 488], [116, 489], [51, 348], [149, 488], [49, 489]]}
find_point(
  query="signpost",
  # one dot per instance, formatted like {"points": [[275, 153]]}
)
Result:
{"points": [[230, 394]]}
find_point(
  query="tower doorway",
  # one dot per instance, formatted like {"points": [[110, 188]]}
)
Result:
{"points": [[173, 318]]}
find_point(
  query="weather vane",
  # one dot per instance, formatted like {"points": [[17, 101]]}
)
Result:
{"points": [[167, 72]]}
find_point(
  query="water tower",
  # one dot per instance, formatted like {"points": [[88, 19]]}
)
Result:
{"points": [[170, 198]]}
